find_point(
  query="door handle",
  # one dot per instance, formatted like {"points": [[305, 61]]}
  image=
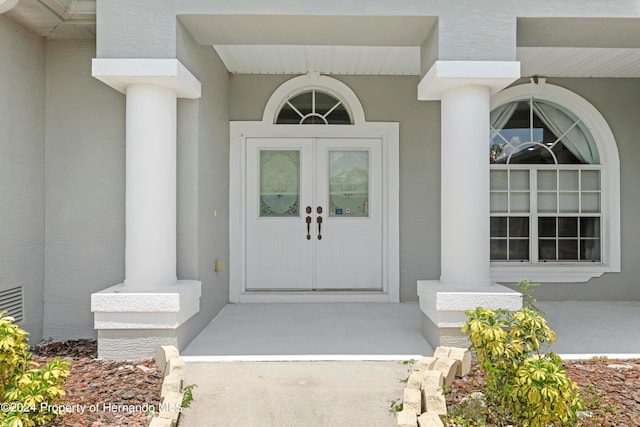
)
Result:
{"points": [[319, 220], [309, 220]]}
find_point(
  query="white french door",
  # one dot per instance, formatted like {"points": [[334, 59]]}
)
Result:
{"points": [[314, 214]]}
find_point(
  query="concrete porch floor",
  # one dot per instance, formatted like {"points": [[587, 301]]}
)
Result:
{"points": [[324, 331], [377, 331]]}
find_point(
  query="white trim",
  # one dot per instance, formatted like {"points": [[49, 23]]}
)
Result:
{"points": [[610, 186], [170, 73], [389, 134], [445, 75], [310, 81]]}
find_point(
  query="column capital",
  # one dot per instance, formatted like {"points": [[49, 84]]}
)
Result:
{"points": [[170, 73], [445, 75], [7, 5]]}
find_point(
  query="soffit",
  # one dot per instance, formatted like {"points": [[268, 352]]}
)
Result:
{"points": [[287, 44], [57, 19], [579, 47]]}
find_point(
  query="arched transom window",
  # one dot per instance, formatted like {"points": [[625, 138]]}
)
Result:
{"points": [[554, 185], [313, 107]]}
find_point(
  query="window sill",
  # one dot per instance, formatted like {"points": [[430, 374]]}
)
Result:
{"points": [[547, 273]]}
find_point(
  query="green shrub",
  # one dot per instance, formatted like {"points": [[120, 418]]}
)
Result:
{"points": [[27, 391], [531, 384]]}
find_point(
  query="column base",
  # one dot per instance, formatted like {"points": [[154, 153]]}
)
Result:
{"points": [[444, 305], [132, 323]]}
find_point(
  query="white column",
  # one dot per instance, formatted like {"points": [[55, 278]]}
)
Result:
{"points": [[464, 89], [135, 317], [150, 251], [465, 185]]}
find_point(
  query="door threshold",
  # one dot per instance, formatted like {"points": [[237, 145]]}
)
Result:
{"points": [[312, 296]]}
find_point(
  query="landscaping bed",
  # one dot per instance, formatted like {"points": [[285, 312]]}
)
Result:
{"points": [[611, 389], [104, 393]]}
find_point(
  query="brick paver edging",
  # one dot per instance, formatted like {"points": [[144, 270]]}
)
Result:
{"points": [[424, 402], [171, 364]]}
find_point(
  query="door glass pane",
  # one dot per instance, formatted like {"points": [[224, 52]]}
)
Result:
{"points": [[349, 183], [279, 183]]}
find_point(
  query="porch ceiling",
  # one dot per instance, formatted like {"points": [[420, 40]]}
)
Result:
{"points": [[279, 44]]}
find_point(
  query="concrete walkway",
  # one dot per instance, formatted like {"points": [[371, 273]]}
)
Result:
{"points": [[293, 394], [324, 365]]}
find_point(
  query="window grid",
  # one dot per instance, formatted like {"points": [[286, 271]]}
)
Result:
{"points": [[501, 192]]}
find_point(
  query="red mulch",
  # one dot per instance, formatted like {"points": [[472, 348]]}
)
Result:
{"points": [[611, 386], [112, 393]]}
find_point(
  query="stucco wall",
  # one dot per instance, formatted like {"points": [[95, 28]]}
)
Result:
{"points": [[85, 189], [22, 128], [390, 99], [203, 180]]}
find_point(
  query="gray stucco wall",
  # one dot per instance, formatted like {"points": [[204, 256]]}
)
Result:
{"points": [[85, 189], [22, 183], [203, 180], [388, 99]]}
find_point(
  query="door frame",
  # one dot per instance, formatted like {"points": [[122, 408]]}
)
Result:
{"points": [[388, 133]]}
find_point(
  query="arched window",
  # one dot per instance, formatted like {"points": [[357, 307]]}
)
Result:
{"points": [[554, 186], [313, 107]]}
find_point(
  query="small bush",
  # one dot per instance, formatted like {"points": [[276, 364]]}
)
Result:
{"points": [[27, 391], [531, 384]]}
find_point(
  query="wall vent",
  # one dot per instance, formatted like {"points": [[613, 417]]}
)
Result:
{"points": [[12, 301]]}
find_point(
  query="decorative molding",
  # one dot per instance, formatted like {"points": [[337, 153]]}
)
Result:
{"points": [[445, 75], [311, 81], [547, 273], [170, 73]]}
